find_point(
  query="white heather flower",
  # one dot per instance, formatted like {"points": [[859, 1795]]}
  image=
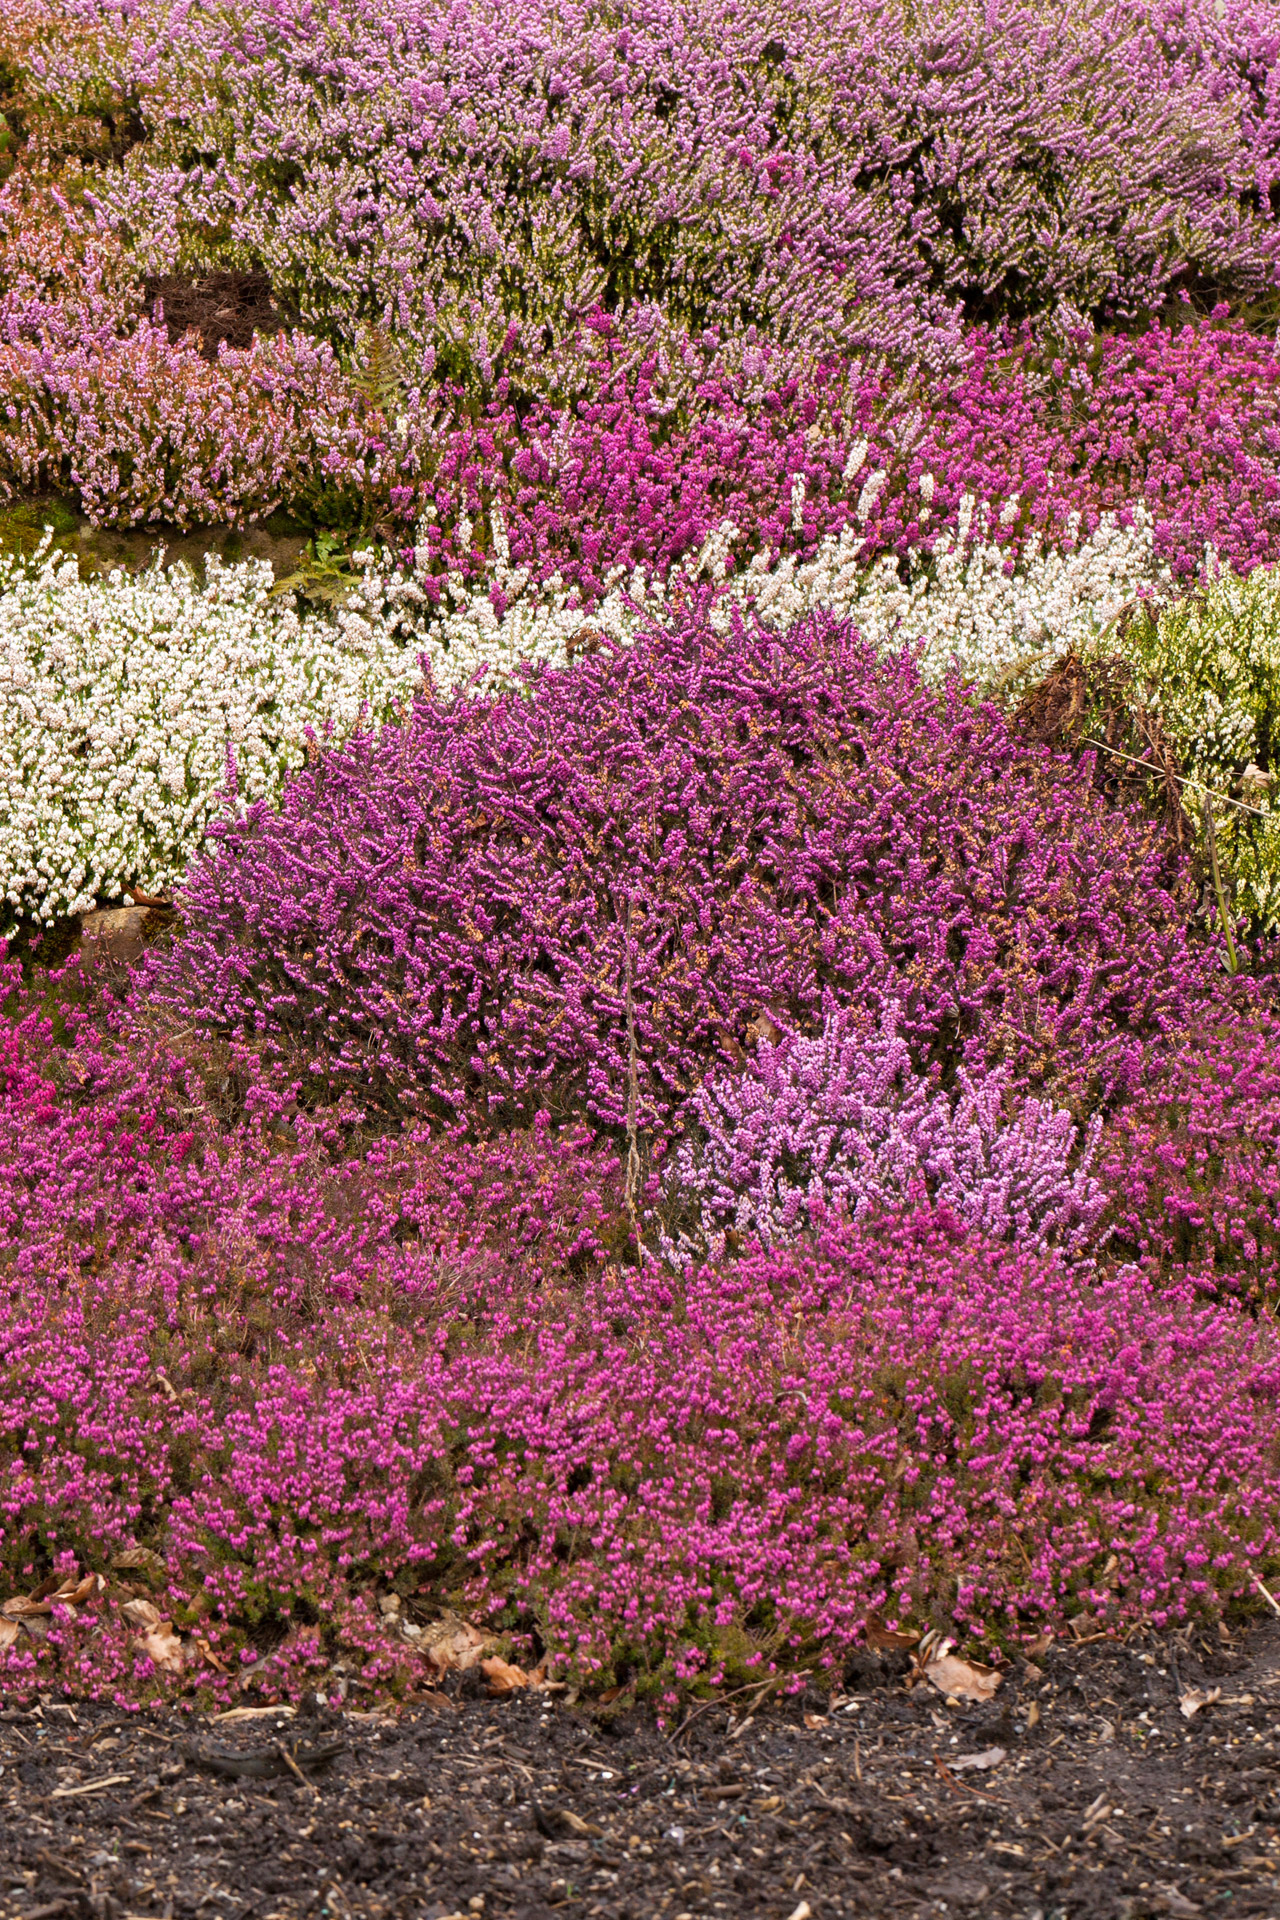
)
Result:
{"points": [[871, 492], [927, 485], [119, 699], [857, 455], [797, 503]]}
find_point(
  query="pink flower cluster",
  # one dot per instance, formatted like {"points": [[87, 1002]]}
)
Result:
{"points": [[445, 918], [303, 1380], [843, 1124]]}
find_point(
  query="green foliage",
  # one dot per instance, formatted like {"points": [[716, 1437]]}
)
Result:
{"points": [[1207, 670], [324, 574]]}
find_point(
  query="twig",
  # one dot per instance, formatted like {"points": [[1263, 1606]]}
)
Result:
{"points": [[295, 1769], [757, 1686], [1150, 766], [1271, 1602], [1212, 838]]}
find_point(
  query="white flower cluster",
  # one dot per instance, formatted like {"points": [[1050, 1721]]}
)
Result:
{"points": [[966, 605], [124, 701], [122, 698]]}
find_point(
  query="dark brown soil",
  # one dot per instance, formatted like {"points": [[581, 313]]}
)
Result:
{"points": [[218, 306], [1108, 1803]]}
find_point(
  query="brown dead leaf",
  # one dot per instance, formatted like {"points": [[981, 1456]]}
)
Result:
{"points": [[1195, 1697], [74, 1594], [452, 1644], [1040, 1645], [977, 1762], [214, 1659], [141, 1613], [885, 1639], [138, 1560], [23, 1606], [161, 1646], [9, 1631], [960, 1679], [36, 1626], [502, 1677]]}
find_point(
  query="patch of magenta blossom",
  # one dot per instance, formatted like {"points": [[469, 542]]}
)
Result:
{"points": [[445, 918]]}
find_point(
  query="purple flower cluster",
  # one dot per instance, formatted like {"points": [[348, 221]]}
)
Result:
{"points": [[843, 1123], [842, 178], [444, 917], [303, 1378]]}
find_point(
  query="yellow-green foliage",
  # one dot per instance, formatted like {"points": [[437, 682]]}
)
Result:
{"points": [[1209, 666]]}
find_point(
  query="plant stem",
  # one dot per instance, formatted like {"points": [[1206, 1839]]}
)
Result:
{"points": [[1212, 838]]}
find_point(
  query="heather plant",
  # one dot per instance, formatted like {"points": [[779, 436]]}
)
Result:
{"points": [[130, 707], [446, 917], [479, 180], [844, 1124], [1206, 668], [294, 1379]]}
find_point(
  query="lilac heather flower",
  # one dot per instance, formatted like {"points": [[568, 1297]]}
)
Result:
{"points": [[845, 1123]]}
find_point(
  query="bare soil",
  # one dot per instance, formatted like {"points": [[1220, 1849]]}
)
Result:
{"points": [[1097, 1798]]}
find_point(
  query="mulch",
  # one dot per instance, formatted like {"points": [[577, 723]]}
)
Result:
{"points": [[1081, 1789]]}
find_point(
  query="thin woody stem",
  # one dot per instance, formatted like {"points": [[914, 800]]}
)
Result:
{"points": [[1212, 838]]}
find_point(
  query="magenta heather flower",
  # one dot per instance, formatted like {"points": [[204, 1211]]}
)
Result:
{"points": [[443, 918], [844, 1123]]}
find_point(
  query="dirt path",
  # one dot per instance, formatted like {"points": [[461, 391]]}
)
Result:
{"points": [[1107, 1801]]}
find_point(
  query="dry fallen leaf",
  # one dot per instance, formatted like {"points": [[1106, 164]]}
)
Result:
{"points": [[9, 1631], [162, 1647], [214, 1659], [23, 1606], [1194, 1698], [451, 1643], [977, 1762], [253, 1713], [887, 1639], [502, 1677], [960, 1679], [74, 1593], [141, 1613], [138, 1560]]}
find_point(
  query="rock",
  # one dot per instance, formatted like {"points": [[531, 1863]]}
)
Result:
{"points": [[116, 933]]}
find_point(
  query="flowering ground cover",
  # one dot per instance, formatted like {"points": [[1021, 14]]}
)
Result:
{"points": [[708, 1088]]}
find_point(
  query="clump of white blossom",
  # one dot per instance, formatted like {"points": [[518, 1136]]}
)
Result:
{"points": [[124, 700], [968, 604]]}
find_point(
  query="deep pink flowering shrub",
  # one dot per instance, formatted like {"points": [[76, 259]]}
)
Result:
{"points": [[644, 1477], [1194, 1164], [844, 1124], [445, 918]]}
